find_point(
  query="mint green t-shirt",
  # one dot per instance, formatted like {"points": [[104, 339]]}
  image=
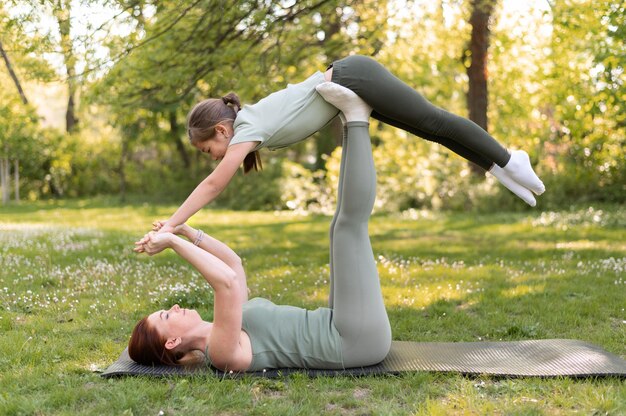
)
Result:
{"points": [[290, 337], [285, 117]]}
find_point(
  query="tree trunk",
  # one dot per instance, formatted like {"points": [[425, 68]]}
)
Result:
{"points": [[12, 73], [16, 173], [4, 180], [482, 11], [121, 168], [62, 12], [331, 136], [180, 146]]}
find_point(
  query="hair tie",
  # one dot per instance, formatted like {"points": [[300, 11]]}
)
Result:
{"points": [[224, 100]]}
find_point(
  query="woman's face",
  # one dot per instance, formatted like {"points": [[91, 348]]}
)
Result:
{"points": [[174, 322]]}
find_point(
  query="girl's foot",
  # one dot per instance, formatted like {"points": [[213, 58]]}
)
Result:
{"points": [[520, 170], [346, 100], [512, 185]]}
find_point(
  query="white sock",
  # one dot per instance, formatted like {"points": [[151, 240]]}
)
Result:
{"points": [[520, 170], [512, 185], [346, 100]]}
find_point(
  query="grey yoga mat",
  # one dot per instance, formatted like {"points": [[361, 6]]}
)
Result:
{"points": [[538, 358]]}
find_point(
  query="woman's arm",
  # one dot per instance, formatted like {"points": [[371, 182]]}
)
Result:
{"points": [[224, 345], [217, 273], [211, 244], [212, 186], [221, 251]]}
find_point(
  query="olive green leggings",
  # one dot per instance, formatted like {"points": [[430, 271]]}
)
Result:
{"points": [[359, 312], [399, 105]]}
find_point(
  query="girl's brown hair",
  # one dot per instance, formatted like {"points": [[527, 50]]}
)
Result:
{"points": [[207, 114]]}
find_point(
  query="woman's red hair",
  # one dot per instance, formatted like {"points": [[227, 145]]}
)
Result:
{"points": [[147, 346]]}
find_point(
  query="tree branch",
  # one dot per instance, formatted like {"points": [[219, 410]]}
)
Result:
{"points": [[13, 75]]}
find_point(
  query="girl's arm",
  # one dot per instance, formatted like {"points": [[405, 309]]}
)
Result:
{"points": [[224, 345], [212, 186]]}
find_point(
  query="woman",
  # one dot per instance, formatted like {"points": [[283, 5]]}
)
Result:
{"points": [[256, 334], [219, 128]]}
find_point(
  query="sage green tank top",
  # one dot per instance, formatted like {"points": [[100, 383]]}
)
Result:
{"points": [[285, 117], [287, 336]]}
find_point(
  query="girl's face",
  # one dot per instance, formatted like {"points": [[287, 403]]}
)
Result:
{"points": [[217, 145]]}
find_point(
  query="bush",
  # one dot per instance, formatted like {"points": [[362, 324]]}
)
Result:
{"points": [[255, 190]]}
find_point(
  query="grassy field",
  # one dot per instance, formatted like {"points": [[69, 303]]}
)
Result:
{"points": [[71, 290]]}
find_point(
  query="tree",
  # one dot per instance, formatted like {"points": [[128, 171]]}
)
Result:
{"points": [[477, 96], [14, 77], [31, 20], [336, 41], [182, 55], [4, 162], [584, 90], [17, 118], [62, 11], [18, 124]]}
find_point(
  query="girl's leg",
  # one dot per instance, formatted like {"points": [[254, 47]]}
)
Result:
{"points": [[394, 100], [396, 103], [359, 312], [354, 108], [456, 147], [449, 143]]}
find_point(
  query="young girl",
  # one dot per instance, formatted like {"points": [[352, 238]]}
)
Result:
{"points": [[251, 335], [234, 135]]}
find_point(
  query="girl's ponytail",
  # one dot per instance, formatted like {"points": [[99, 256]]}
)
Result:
{"points": [[232, 99], [253, 159]]}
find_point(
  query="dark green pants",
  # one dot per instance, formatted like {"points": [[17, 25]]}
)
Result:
{"points": [[399, 105]]}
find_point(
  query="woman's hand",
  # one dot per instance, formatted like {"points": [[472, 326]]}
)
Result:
{"points": [[153, 243]]}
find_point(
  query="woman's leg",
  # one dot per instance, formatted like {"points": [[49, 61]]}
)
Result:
{"points": [[358, 309], [334, 221]]}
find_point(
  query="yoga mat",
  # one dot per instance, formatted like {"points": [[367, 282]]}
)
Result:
{"points": [[536, 358]]}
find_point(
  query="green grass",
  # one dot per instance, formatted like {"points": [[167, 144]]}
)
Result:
{"points": [[71, 289]]}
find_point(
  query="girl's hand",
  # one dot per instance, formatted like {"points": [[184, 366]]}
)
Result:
{"points": [[153, 243], [160, 224], [166, 228]]}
